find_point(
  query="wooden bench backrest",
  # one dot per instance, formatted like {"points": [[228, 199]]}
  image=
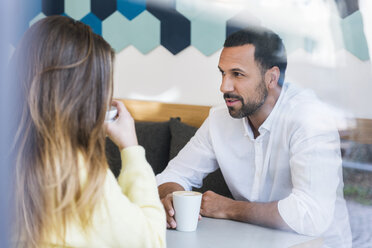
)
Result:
{"points": [[194, 115]]}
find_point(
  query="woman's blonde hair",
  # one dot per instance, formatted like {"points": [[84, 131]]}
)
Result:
{"points": [[65, 74]]}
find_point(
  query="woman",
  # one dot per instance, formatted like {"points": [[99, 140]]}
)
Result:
{"points": [[65, 195]]}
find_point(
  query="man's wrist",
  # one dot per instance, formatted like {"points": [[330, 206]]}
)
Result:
{"points": [[230, 209]]}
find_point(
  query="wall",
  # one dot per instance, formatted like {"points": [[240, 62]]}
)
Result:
{"points": [[333, 70], [168, 50]]}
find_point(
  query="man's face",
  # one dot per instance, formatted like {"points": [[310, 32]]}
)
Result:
{"points": [[243, 86]]}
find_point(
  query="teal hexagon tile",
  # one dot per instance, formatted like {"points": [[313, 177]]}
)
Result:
{"points": [[207, 35], [116, 31], [37, 18], [336, 31], [77, 9], [190, 8], [94, 22], [353, 34], [145, 32], [193, 9], [131, 8], [291, 41], [309, 44], [241, 20]]}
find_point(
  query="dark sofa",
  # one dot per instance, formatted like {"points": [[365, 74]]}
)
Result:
{"points": [[162, 142]]}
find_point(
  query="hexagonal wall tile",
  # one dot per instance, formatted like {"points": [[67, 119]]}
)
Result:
{"points": [[175, 28], [131, 8], [145, 32], [160, 9], [292, 41], [53, 7], [346, 7], [116, 31], [240, 21], [353, 34], [94, 22], [37, 18], [77, 9], [207, 35], [208, 23], [191, 8], [103, 9], [175, 32], [336, 30]]}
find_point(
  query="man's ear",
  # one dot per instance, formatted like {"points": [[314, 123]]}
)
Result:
{"points": [[272, 77]]}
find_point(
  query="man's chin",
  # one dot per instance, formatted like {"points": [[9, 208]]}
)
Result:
{"points": [[237, 114]]}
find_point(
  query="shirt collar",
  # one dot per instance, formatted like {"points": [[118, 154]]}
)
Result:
{"points": [[267, 124]]}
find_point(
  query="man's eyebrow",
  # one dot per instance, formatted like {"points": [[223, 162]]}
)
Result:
{"points": [[237, 70], [233, 69]]}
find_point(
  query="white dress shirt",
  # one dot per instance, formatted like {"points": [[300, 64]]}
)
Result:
{"points": [[295, 160]]}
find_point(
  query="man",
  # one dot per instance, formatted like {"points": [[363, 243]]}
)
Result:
{"points": [[276, 145]]}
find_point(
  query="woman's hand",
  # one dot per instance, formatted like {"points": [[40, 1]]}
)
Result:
{"points": [[122, 131]]}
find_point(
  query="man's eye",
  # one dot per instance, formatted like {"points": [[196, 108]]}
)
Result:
{"points": [[237, 74]]}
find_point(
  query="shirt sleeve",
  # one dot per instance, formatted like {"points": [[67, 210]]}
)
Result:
{"points": [[193, 163], [137, 217], [315, 163]]}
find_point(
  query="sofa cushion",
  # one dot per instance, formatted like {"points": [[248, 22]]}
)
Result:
{"points": [[181, 133], [154, 137]]}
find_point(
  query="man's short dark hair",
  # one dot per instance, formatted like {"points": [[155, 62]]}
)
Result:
{"points": [[269, 48]]}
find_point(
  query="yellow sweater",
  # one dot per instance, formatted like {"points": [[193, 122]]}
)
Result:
{"points": [[131, 214]]}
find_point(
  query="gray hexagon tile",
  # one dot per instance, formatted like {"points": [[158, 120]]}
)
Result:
{"points": [[53, 7], [347, 7], [175, 32], [103, 9], [175, 28], [116, 31]]}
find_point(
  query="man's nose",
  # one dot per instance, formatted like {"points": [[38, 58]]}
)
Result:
{"points": [[227, 85]]}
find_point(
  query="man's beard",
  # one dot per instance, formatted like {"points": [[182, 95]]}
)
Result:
{"points": [[249, 108]]}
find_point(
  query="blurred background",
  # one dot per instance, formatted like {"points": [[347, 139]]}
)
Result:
{"points": [[168, 51]]}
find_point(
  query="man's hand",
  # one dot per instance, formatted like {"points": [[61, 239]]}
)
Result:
{"points": [[215, 205]]}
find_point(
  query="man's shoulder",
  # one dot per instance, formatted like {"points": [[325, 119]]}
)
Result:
{"points": [[302, 101], [304, 108]]}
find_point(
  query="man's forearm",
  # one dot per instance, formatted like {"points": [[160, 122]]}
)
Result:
{"points": [[263, 214], [167, 188]]}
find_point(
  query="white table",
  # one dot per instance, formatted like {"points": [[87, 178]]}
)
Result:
{"points": [[226, 233]]}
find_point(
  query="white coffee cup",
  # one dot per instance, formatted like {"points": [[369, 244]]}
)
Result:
{"points": [[111, 114], [186, 206]]}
